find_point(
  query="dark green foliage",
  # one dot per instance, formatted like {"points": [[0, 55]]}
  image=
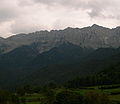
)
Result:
{"points": [[111, 75], [22, 101], [82, 82], [96, 98], [21, 91], [8, 98], [68, 97], [49, 95], [96, 61], [71, 97], [106, 77]]}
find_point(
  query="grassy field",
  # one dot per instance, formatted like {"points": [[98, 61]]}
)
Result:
{"points": [[114, 98], [36, 98]]}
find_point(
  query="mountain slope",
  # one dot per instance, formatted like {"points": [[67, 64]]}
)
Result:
{"points": [[24, 60], [90, 37], [65, 53], [25, 65], [58, 55], [11, 64], [93, 62], [18, 56], [60, 73]]}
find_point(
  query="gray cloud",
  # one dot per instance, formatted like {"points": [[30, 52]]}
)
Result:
{"points": [[95, 6], [30, 15], [6, 15]]}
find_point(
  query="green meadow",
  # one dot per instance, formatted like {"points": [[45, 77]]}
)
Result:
{"points": [[113, 93]]}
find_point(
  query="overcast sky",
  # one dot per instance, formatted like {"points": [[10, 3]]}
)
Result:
{"points": [[18, 16]]}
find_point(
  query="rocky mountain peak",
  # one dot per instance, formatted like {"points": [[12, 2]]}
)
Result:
{"points": [[94, 36]]}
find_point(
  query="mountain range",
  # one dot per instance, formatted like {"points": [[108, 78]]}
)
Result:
{"points": [[57, 56], [90, 37]]}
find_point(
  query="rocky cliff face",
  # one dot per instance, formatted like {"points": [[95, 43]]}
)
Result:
{"points": [[94, 37], [90, 37]]}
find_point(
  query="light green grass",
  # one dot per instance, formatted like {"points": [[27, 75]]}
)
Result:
{"points": [[33, 103], [115, 98], [33, 96]]}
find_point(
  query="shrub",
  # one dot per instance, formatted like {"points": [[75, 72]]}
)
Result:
{"points": [[68, 97], [96, 98]]}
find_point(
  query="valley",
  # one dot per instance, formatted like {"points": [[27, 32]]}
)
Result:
{"points": [[79, 64]]}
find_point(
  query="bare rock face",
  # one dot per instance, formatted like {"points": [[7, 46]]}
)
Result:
{"points": [[94, 37], [44, 40], [89, 37]]}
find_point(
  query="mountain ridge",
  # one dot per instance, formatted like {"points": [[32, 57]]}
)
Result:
{"points": [[94, 25], [94, 36]]}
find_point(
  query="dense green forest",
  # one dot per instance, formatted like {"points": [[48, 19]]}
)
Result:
{"points": [[106, 77], [99, 88]]}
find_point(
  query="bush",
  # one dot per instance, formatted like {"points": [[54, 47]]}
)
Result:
{"points": [[8, 98], [68, 97], [96, 98]]}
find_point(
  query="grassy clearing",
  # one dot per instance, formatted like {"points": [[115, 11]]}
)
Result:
{"points": [[36, 98], [114, 97], [33, 98]]}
